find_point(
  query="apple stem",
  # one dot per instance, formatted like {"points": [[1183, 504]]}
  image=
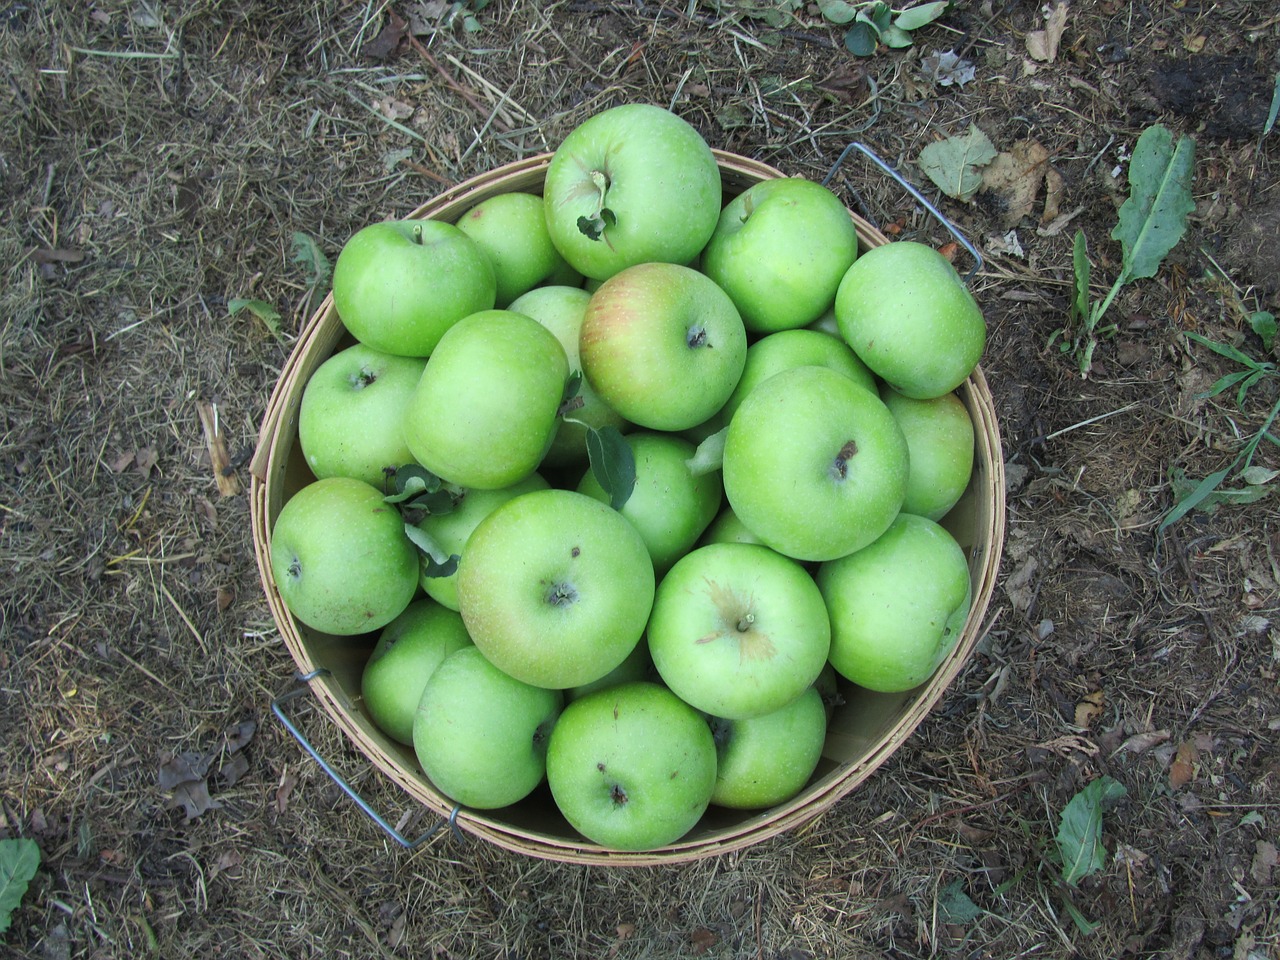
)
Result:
{"points": [[746, 622], [417, 233], [840, 468]]}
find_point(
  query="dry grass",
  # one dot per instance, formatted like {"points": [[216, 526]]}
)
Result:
{"points": [[163, 159]]}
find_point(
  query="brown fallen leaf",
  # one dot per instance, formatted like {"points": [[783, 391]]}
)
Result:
{"points": [[45, 255], [288, 780], [1043, 44], [1183, 769], [389, 40], [1015, 177], [1142, 742], [1054, 187], [122, 461], [1090, 708], [702, 940], [1265, 859], [233, 770]]}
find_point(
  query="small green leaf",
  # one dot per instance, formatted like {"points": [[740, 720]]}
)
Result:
{"points": [[1275, 107], [1264, 325], [1257, 476], [19, 860], [879, 16], [954, 905], [1153, 218], [1228, 351], [435, 562], [260, 309], [1079, 312], [1188, 498], [307, 252], [435, 503], [955, 164], [895, 37], [612, 463], [709, 456], [411, 480], [1083, 923], [861, 39], [837, 11], [1080, 831], [913, 18]]}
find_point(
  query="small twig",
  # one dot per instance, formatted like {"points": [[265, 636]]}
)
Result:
{"points": [[228, 482], [455, 86]]}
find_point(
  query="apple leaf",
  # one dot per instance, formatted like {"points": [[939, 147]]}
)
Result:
{"points": [[710, 454], [613, 464], [593, 228], [264, 311], [1153, 218], [955, 164], [435, 562], [1080, 830], [410, 481], [571, 400], [19, 860]]}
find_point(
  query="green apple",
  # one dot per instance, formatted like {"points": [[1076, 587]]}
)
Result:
{"points": [[780, 250], [814, 464], [452, 530], [669, 506], [408, 651], [511, 228], [484, 412], [632, 184], [738, 630], [939, 436], [560, 309], [352, 411], [767, 760], [897, 606], [727, 528], [662, 345], [637, 666], [340, 557], [555, 588], [480, 735], [631, 767], [909, 316], [399, 285], [796, 348]]}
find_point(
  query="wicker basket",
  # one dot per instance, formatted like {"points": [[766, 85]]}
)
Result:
{"points": [[862, 733]]}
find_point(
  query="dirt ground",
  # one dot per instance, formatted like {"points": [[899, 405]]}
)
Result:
{"points": [[156, 162]]}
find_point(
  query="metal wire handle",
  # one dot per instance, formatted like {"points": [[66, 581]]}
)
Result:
{"points": [[277, 707], [919, 198]]}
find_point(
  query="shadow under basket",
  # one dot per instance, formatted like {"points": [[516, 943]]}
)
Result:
{"points": [[864, 731]]}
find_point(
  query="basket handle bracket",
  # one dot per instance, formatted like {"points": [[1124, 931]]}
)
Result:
{"points": [[911, 189], [277, 707]]}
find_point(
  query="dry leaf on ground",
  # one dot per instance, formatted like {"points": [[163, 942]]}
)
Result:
{"points": [[1043, 44], [1015, 177], [1183, 769]]}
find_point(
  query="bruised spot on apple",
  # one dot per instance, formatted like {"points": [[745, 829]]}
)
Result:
{"points": [[737, 622]]}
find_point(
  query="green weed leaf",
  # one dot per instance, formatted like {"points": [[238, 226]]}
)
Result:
{"points": [[1080, 831], [837, 11], [861, 39], [1079, 312], [613, 464], [1264, 325], [306, 251], [1275, 107], [955, 164], [19, 860], [264, 311], [913, 18], [954, 905], [1154, 216]]}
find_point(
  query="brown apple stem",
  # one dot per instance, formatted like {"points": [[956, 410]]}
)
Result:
{"points": [[746, 622], [840, 467]]}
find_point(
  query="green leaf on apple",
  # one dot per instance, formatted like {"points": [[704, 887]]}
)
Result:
{"points": [[709, 456], [612, 463], [264, 311], [594, 227], [411, 480], [572, 399], [437, 562]]}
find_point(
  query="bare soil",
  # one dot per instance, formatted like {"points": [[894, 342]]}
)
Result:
{"points": [[156, 162]]}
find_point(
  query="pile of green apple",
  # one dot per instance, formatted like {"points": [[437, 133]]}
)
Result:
{"points": [[625, 475]]}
